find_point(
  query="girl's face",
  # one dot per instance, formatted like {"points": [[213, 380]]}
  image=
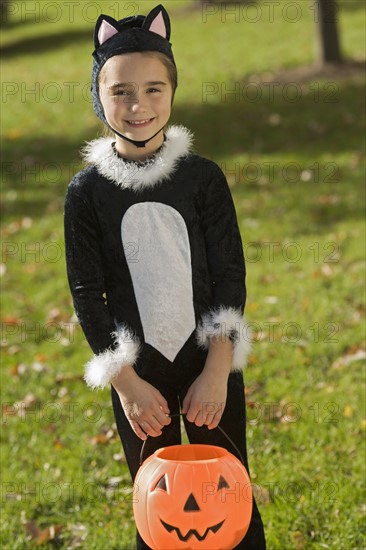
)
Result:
{"points": [[135, 88]]}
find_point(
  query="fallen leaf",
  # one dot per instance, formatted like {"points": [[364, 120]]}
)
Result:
{"points": [[10, 196], [31, 529], [328, 199], [261, 494], [119, 457], [28, 401], [345, 360], [51, 427], [18, 370], [291, 414], [68, 377], [271, 299], [31, 268], [356, 159], [107, 510], [56, 315], [100, 439], [39, 367], [316, 127], [48, 534], [298, 539], [8, 410], [267, 278], [14, 133], [62, 392], [307, 175], [274, 119], [79, 534], [26, 223], [347, 411], [38, 535], [12, 320], [252, 306], [326, 270], [40, 357], [114, 481]]}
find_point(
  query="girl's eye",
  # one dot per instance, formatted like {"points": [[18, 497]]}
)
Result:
{"points": [[153, 90]]}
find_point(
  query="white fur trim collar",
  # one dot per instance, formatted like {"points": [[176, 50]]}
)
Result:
{"points": [[139, 175]]}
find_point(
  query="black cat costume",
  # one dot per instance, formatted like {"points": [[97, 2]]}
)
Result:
{"points": [[155, 262]]}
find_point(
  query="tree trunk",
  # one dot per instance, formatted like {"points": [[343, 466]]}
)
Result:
{"points": [[329, 48]]}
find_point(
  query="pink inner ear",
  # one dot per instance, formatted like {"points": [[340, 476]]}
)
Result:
{"points": [[105, 32], [158, 25]]}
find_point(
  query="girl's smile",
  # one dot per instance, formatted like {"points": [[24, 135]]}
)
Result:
{"points": [[140, 123]]}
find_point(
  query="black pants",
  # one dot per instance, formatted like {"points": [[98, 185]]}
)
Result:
{"points": [[173, 382]]}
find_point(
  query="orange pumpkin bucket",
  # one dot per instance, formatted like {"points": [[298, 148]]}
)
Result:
{"points": [[192, 497]]}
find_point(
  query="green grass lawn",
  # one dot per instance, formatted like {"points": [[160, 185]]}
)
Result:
{"points": [[295, 161]]}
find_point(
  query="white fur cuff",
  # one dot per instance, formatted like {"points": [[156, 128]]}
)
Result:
{"points": [[100, 370], [230, 323]]}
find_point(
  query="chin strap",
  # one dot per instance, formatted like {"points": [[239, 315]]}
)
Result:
{"points": [[137, 143]]}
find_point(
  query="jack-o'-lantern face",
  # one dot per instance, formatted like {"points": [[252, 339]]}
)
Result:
{"points": [[191, 505], [200, 498]]}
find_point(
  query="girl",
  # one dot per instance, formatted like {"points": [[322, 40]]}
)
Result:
{"points": [[154, 258]]}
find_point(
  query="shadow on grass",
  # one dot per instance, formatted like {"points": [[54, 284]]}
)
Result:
{"points": [[46, 43], [351, 5], [328, 119], [313, 134], [233, 6], [35, 173], [325, 116], [21, 15]]}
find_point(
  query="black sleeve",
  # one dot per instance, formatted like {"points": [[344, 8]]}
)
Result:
{"points": [[112, 348], [226, 265], [223, 244]]}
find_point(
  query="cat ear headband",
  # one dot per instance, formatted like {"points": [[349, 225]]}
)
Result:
{"points": [[135, 33]]}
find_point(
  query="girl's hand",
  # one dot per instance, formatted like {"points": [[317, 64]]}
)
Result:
{"points": [[205, 400], [145, 408]]}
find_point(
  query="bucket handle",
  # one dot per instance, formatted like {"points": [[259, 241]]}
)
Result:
{"points": [[217, 427]]}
